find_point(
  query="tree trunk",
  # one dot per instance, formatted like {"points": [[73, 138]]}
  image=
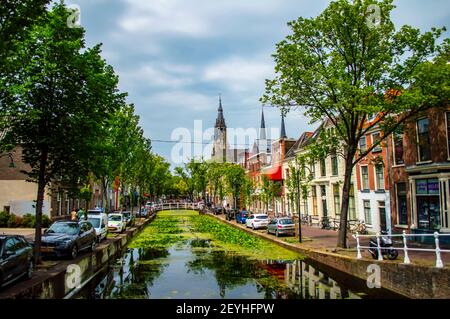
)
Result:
{"points": [[342, 237], [39, 204], [299, 215]]}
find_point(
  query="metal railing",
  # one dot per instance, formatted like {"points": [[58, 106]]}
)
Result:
{"points": [[437, 250], [178, 205]]}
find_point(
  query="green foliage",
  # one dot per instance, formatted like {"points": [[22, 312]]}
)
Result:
{"points": [[27, 221], [341, 70]]}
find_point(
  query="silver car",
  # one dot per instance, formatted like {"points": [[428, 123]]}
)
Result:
{"points": [[281, 226]]}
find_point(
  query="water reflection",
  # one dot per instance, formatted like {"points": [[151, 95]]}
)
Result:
{"points": [[196, 269]]}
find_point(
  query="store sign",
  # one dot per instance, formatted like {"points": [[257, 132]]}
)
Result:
{"points": [[421, 186], [427, 187], [433, 186]]}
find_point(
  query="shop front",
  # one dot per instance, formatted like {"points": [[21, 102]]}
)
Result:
{"points": [[430, 201]]}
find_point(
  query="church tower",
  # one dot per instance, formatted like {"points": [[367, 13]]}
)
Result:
{"points": [[219, 151]]}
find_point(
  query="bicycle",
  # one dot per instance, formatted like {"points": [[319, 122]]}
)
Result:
{"points": [[358, 227], [325, 223]]}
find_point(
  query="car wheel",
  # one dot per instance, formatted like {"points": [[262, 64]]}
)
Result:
{"points": [[74, 252], [30, 269]]}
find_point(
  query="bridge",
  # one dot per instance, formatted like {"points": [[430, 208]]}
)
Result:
{"points": [[178, 206]]}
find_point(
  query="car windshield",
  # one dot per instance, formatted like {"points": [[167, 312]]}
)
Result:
{"points": [[286, 221], [95, 222], [115, 218], [64, 228], [262, 217], [126, 215]]}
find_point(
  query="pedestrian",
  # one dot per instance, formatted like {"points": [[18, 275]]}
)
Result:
{"points": [[74, 215]]}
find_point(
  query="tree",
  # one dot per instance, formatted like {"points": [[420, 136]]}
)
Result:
{"points": [[235, 179], [343, 67], [58, 98]]}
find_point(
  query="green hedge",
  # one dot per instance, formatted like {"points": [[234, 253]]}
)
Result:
{"points": [[27, 221]]}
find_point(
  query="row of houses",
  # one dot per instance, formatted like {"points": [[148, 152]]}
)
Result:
{"points": [[18, 196], [403, 184]]}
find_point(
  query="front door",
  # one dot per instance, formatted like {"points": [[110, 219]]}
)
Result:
{"points": [[323, 193]]}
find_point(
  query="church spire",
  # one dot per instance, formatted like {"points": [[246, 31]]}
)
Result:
{"points": [[283, 127], [262, 131], [220, 121]]}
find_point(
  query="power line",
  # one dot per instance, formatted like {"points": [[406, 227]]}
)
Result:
{"points": [[192, 142]]}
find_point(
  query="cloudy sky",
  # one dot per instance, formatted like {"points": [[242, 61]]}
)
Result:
{"points": [[174, 57]]}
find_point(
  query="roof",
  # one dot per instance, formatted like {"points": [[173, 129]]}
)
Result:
{"points": [[301, 142]]}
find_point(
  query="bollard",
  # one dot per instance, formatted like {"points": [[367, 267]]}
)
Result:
{"points": [[405, 249], [358, 247], [380, 255], [439, 263]]}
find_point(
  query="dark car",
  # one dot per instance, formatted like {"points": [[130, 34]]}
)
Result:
{"points": [[68, 238], [16, 259]]}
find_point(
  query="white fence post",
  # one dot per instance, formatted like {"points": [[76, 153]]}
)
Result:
{"points": [[380, 255], [405, 249], [358, 247], [439, 263]]}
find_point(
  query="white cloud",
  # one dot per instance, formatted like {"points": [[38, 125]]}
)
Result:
{"points": [[239, 74], [195, 18], [180, 100]]}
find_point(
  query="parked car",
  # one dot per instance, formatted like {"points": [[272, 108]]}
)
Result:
{"points": [[129, 218], [116, 222], [16, 259], [241, 217], [281, 226], [217, 210], [68, 238], [99, 221], [144, 213], [256, 221]]}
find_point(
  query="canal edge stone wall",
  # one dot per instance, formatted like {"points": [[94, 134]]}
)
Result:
{"points": [[52, 283], [412, 281]]}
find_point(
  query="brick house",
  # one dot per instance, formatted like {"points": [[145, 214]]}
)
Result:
{"points": [[420, 173]]}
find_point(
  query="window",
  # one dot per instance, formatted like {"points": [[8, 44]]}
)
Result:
{"points": [[334, 164], [379, 172], [314, 198], [365, 177], [382, 215], [367, 214], [313, 170], [428, 207], [337, 199], [375, 139], [362, 145], [323, 169], [351, 203], [448, 133], [398, 147], [423, 139], [401, 204]]}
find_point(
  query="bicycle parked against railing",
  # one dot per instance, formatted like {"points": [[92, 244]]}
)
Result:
{"points": [[358, 227]]}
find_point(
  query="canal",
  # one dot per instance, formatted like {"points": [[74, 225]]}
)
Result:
{"points": [[183, 255]]}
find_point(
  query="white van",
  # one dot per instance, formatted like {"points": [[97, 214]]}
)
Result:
{"points": [[99, 220]]}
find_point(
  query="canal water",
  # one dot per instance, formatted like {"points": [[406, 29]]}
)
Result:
{"points": [[197, 268]]}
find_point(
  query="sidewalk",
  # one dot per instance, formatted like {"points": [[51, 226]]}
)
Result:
{"points": [[326, 240]]}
